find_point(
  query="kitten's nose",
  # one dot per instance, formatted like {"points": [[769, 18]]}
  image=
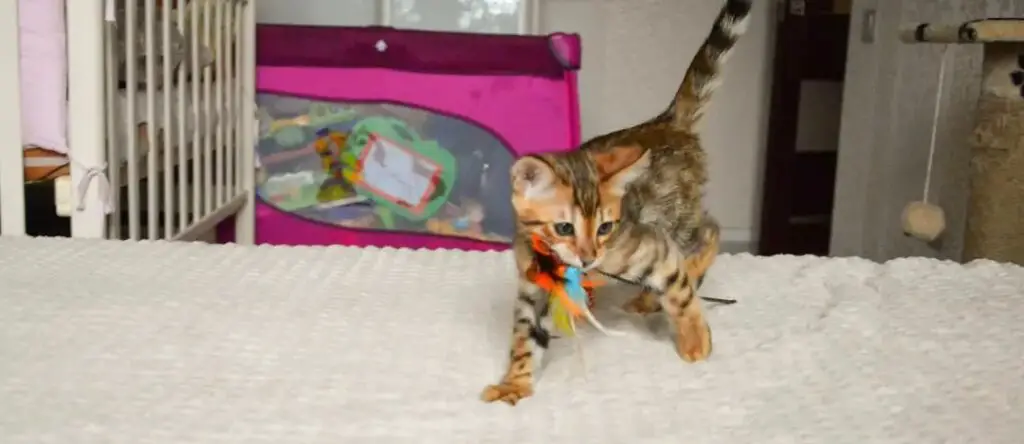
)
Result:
{"points": [[586, 262]]}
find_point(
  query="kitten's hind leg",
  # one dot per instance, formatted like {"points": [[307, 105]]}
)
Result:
{"points": [[693, 335], [645, 302], [680, 301], [649, 257], [699, 258], [529, 340]]}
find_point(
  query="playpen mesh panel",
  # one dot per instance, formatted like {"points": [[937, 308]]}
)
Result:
{"points": [[378, 166], [404, 138]]}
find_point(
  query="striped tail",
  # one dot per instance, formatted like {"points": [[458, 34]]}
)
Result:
{"points": [[701, 78]]}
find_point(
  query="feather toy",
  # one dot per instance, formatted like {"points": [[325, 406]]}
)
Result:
{"points": [[570, 293]]}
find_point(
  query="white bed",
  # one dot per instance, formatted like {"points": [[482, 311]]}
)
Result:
{"points": [[169, 343]]}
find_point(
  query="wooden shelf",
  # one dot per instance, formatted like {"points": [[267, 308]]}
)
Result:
{"points": [[990, 30]]}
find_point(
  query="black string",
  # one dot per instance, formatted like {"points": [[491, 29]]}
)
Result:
{"points": [[548, 263], [715, 300]]}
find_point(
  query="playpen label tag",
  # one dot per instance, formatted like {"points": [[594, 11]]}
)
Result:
{"points": [[62, 196], [398, 174]]}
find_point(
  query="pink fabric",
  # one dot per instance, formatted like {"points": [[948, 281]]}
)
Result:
{"points": [[530, 113], [520, 88], [43, 64]]}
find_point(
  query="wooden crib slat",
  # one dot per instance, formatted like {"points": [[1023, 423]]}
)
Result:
{"points": [[114, 160], [182, 147], [131, 57], [166, 149], [197, 158], [228, 105], [218, 47], [207, 154], [152, 135]]}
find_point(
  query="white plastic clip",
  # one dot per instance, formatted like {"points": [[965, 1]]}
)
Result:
{"points": [[62, 196], [110, 11]]}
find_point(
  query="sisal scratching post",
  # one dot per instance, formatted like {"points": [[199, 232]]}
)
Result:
{"points": [[995, 212], [995, 218]]}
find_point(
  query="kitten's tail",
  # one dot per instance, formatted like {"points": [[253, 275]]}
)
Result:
{"points": [[701, 78]]}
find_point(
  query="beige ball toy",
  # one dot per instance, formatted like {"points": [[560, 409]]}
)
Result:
{"points": [[923, 220]]}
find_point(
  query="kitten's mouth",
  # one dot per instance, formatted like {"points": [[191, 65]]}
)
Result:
{"points": [[574, 263], [567, 256], [592, 265]]}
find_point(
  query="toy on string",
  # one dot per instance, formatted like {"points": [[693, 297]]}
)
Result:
{"points": [[570, 293], [923, 219]]}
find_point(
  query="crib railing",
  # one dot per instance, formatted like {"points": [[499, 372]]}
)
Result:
{"points": [[191, 81], [161, 115]]}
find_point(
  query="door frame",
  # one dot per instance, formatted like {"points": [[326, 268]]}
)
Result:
{"points": [[783, 114], [799, 186]]}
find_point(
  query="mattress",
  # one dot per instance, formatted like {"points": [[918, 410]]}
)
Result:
{"points": [[116, 342]]}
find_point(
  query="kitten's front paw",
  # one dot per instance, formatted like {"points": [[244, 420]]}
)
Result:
{"points": [[506, 392], [693, 340]]}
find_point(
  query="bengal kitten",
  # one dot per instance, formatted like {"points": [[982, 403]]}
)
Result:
{"points": [[627, 204]]}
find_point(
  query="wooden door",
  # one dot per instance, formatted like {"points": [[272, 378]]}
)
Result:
{"points": [[810, 46]]}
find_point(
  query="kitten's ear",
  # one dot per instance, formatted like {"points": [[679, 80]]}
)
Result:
{"points": [[620, 166], [532, 178]]}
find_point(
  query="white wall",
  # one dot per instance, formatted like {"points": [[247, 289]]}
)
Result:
{"points": [[316, 12], [634, 55]]}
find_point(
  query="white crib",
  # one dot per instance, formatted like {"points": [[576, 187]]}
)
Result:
{"points": [[160, 112]]}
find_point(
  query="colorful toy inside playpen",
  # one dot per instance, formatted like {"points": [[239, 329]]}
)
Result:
{"points": [[378, 136]]}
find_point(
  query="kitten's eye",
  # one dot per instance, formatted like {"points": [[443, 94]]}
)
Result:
{"points": [[564, 229], [605, 228]]}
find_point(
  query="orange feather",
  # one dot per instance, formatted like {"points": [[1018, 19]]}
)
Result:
{"points": [[549, 280]]}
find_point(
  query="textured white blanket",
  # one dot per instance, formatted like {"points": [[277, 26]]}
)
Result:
{"points": [[110, 342]]}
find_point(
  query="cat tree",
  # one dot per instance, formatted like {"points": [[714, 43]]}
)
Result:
{"points": [[995, 212]]}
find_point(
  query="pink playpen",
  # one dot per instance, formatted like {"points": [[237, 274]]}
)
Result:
{"points": [[386, 137]]}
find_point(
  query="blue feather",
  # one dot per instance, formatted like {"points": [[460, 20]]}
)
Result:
{"points": [[574, 286]]}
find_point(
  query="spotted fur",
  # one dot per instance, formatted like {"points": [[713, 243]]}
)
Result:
{"points": [[628, 204], [697, 260]]}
